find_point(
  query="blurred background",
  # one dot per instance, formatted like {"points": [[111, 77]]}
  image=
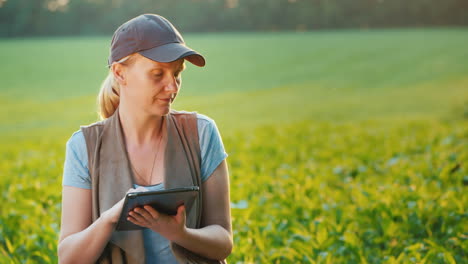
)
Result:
{"points": [[350, 117], [68, 17]]}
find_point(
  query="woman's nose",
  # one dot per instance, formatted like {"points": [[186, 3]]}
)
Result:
{"points": [[173, 85]]}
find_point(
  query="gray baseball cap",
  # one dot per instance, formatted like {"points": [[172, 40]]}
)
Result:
{"points": [[154, 37]]}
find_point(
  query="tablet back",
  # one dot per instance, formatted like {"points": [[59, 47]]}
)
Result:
{"points": [[163, 201]]}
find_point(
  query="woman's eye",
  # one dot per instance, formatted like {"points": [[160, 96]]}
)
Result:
{"points": [[177, 76]]}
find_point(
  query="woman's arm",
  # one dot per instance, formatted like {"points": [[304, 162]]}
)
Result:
{"points": [[214, 239], [81, 240]]}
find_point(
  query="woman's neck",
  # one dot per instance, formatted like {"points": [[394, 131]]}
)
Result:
{"points": [[139, 128]]}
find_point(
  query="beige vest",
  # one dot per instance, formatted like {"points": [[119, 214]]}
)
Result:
{"points": [[111, 177]]}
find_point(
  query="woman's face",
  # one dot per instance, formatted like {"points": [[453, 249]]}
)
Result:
{"points": [[152, 86]]}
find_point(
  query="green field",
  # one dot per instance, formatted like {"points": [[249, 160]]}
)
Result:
{"points": [[357, 141]]}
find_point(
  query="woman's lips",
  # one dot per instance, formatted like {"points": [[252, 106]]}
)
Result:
{"points": [[167, 100]]}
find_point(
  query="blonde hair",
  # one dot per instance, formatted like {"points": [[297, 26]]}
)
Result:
{"points": [[109, 94]]}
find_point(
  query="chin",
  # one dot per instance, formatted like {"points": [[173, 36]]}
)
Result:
{"points": [[160, 112]]}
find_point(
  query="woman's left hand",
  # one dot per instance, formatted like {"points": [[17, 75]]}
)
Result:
{"points": [[171, 227]]}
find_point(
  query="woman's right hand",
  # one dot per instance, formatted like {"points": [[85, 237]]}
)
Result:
{"points": [[112, 215]]}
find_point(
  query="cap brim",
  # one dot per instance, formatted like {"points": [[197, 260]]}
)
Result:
{"points": [[173, 51]]}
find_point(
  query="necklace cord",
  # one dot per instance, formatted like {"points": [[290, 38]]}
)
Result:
{"points": [[154, 160]]}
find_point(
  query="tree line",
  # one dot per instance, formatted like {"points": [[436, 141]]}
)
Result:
{"points": [[90, 17]]}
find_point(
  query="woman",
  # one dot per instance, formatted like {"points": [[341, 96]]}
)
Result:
{"points": [[141, 144]]}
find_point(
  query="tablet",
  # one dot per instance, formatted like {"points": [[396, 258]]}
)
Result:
{"points": [[164, 201]]}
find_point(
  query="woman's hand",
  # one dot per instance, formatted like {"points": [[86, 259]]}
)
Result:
{"points": [[114, 212], [171, 227]]}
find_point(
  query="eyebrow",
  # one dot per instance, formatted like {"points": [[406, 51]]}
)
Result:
{"points": [[181, 68]]}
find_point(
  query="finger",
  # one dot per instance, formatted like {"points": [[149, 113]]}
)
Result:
{"points": [[181, 209], [155, 214], [131, 219], [180, 213], [139, 219], [143, 213], [135, 221]]}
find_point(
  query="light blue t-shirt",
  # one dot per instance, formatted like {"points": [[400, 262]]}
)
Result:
{"points": [[76, 174]]}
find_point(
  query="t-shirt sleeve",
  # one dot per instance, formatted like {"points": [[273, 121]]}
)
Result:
{"points": [[211, 146], [75, 168]]}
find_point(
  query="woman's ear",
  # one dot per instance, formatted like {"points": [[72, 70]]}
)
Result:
{"points": [[119, 73]]}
